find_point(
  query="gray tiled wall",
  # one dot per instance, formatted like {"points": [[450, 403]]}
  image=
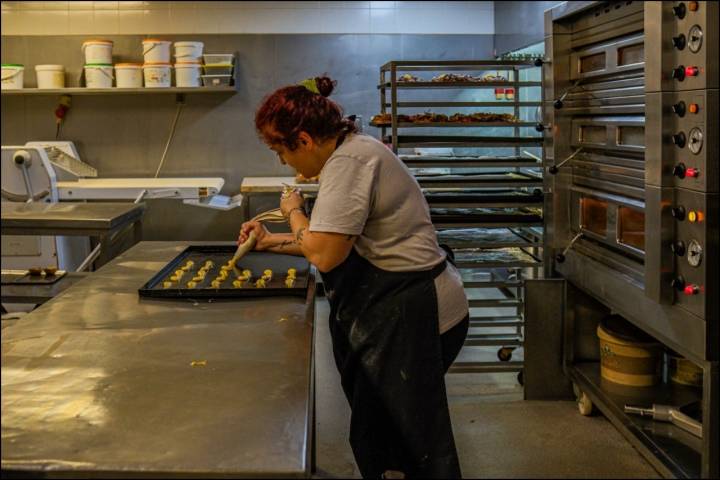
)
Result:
{"points": [[124, 135], [519, 24]]}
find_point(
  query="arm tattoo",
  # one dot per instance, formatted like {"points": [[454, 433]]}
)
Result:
{"points": [[285, 243], [299, 235]]}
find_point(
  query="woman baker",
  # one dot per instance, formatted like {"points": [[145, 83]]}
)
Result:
{"points": [[398, 311]]}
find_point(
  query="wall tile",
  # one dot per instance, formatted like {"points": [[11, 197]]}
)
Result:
{"points": [[105, 5], [80, 5], [181, 5], [157, 21], [30, 5], [106, 22], [383, 20], [131, 21], [126, 5], [52, 22], [10, 22], [345, 21], [157, 5], [81, 22], [182, 20], [11, 5], [208, 20], [382, 4], [55, 5]]}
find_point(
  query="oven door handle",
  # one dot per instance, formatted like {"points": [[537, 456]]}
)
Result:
{"points": [[554, 168], [560, 257]]}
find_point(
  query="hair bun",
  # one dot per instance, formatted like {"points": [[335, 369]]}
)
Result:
{"points": [[325, 85]]}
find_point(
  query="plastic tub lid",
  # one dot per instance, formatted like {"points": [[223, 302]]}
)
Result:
{"points": [[188, 62], [128, 65], [156, 64], [13, 65], [156, 40], [97, 40], [213, 76], [98, 65], [187, 44], [223, 65], [49, 67]]}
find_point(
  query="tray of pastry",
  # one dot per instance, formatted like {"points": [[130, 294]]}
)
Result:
{"points": [[32, 276], [205, 272], [464, 238], [495, 258]]}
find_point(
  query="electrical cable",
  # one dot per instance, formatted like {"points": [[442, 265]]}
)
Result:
{"points": [[169, 140]]}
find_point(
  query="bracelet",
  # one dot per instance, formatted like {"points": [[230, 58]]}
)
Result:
{"points": [[302, 209]]}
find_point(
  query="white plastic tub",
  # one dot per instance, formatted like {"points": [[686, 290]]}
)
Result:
{"points": [[12, 76], [50, 76], [187, 74], [98, 76], [128, 75], [211, 58], [156, 51], [185, 51], [157, 75], [216, 80], [98, 51]]}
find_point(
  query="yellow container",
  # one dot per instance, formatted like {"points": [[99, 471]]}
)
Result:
{"points": [[683, 372], [627, 355]]}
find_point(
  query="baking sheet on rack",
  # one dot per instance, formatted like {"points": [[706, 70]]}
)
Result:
{"points": [[494, 257], [474, 237], [462, 215]]}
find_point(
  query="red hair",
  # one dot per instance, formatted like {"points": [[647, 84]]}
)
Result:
{"points": [[294, 109]]}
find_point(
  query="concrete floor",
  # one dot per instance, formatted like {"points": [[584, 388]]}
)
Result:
{"points": [[498, 434]]}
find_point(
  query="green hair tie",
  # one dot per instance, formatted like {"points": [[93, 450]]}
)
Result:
{"points": [[311, 85]]}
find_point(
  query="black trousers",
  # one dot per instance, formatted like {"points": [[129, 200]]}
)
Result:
{"points": [[453, 340]]}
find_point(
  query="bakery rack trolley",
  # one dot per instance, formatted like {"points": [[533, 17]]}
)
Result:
{"points": [[488, 209]]}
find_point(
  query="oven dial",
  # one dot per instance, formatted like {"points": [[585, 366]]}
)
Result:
{"points": [[695, 140], [679, 139], [679, 109], [678, 248], [679, 41], [678, 73], [678, 213], [695, 38], [679, 10], [694, 253]]}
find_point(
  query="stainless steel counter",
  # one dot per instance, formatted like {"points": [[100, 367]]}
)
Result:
{"points": [[67, 218], [99, 382]]}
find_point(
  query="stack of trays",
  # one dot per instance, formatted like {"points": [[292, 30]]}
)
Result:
{"points": [[217, 69]]}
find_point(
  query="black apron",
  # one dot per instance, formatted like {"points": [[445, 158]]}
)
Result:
{"points": [[386, 343]]}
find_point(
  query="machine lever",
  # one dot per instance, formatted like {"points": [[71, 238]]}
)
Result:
{"points": [[558, 104], [554, 168], [560, 257], [668, 413]]}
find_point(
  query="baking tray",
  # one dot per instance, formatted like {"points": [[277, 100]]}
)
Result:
{"points": [[23, 277], [220, 254]]}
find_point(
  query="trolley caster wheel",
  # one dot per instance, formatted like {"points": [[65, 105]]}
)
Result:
{"points": [[504, 354], [521, 378], [585, 405]]}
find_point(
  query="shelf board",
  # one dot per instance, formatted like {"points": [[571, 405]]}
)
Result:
{"points": [[116, 91], [455, 65], [666, 446], [499, 103], [428, 161], [494, 84], [407, 141], [454, 124]]}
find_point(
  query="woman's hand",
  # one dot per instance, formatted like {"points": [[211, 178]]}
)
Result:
{"points": [[291, 200], [262, 235]]}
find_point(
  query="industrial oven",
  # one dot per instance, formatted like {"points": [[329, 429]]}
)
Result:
{"points": [[631, 204]]}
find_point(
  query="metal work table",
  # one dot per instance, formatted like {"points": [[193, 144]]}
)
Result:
{"points": [[102, 220], [100, 382], [39, 293]]}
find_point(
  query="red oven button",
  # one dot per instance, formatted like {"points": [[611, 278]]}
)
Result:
{"points": [[692, 172], [691, 71], [693, 108], [691, 290]]}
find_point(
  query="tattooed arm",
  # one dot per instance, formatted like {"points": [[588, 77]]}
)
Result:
{"points": [[325, 250]]}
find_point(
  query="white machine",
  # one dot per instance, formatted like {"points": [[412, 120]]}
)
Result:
{"points": [[53, 172]]}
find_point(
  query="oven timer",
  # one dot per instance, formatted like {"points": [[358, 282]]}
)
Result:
{"points": [[695, 140], [694, 253]]}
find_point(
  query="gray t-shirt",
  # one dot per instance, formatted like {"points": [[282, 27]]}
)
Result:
{"points": [[365, 190]]}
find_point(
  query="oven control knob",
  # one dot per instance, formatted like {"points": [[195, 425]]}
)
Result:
{"points": [[695, 38], [692, 173], [679, 73], [691, 289], [679, 41], [693, 108], [678, 213], [679, 139], [692, 71], [679, 170], [678, 248], [679, 10], [679, 109], [678, 283]]}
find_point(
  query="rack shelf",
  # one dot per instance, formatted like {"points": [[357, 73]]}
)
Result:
{"points": [[442, 199], [499, 103], [490, 180], [429, 161], [464, 238], [437, 141], [455, 124], [494, 84], [116, 91]]}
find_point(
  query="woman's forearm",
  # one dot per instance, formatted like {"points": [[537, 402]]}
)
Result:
{"points": [[284, 243]]}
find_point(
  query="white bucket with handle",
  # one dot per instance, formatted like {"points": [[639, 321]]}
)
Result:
{"points": [[157, 75], [50, 76], [187, 74], [97, 51], [187, 51], [156, 51], [98, 76], [12, 76], [128, 75]]}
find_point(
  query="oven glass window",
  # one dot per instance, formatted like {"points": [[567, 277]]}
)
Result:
{"points": [[593, 216], [631, 228]]}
